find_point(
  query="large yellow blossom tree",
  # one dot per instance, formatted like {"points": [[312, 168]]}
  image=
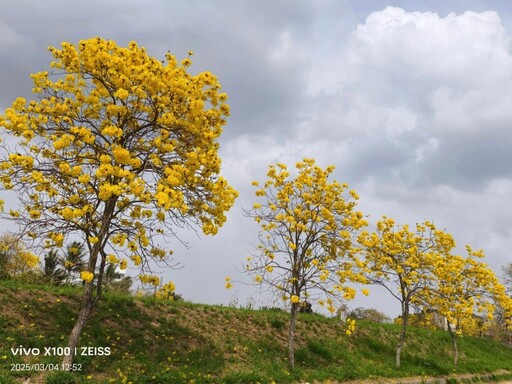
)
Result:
{"points": [[119, 149], [307, 227]]}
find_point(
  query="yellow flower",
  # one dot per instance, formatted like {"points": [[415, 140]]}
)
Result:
{"points": [[295, 299], [84, 179], [121, 155], [136, 260], [105, 159], [169, 287], [34, 214], [86, 276], [112, 259], [122, 94], [14, 213], [58, 239], [74, 199], [30, 259]]}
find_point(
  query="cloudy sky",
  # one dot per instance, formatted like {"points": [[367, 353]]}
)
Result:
{"points": [[410, 100]]}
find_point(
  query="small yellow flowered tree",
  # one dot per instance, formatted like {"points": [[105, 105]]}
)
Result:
{"points": [[403, 262], [307, 225], [118, 148], [15, 258], [465, 292]]}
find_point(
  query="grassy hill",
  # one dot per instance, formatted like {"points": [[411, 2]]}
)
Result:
{"points": [[153, 341]]}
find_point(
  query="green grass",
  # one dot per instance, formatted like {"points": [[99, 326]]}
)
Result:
{"points": [[178, 342]]}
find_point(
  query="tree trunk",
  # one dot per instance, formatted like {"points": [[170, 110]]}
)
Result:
{"points": [[399, 348], [90, 300], [291, 336], [74, 337], [454, 343]]}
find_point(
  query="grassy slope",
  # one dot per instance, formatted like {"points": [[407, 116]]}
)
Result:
{"points": [[159, 342]]}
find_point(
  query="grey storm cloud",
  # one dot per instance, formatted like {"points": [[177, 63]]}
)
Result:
{"points": [[470, 161], [250, 48]]}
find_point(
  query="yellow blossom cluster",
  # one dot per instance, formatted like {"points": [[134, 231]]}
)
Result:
{"points": [[113, 259], [350, 326], [86, 276], [166, 291], [57, 239], [149, 279]]}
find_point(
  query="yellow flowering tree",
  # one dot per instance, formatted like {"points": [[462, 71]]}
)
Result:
{"points": [[117, 148], [465, 292], [403, 262], [15, 258], [307, 224]]}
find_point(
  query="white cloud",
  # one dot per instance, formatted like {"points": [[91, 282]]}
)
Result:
{"points": [[398, 56], [471, 48], [414, 79]]}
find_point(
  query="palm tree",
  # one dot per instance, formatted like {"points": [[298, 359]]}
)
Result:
{"points": [[73, 260], [51, 267], [113, 280]]}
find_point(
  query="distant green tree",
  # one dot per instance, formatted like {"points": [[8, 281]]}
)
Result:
{"points": [[371, 314], [306, 307]]}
